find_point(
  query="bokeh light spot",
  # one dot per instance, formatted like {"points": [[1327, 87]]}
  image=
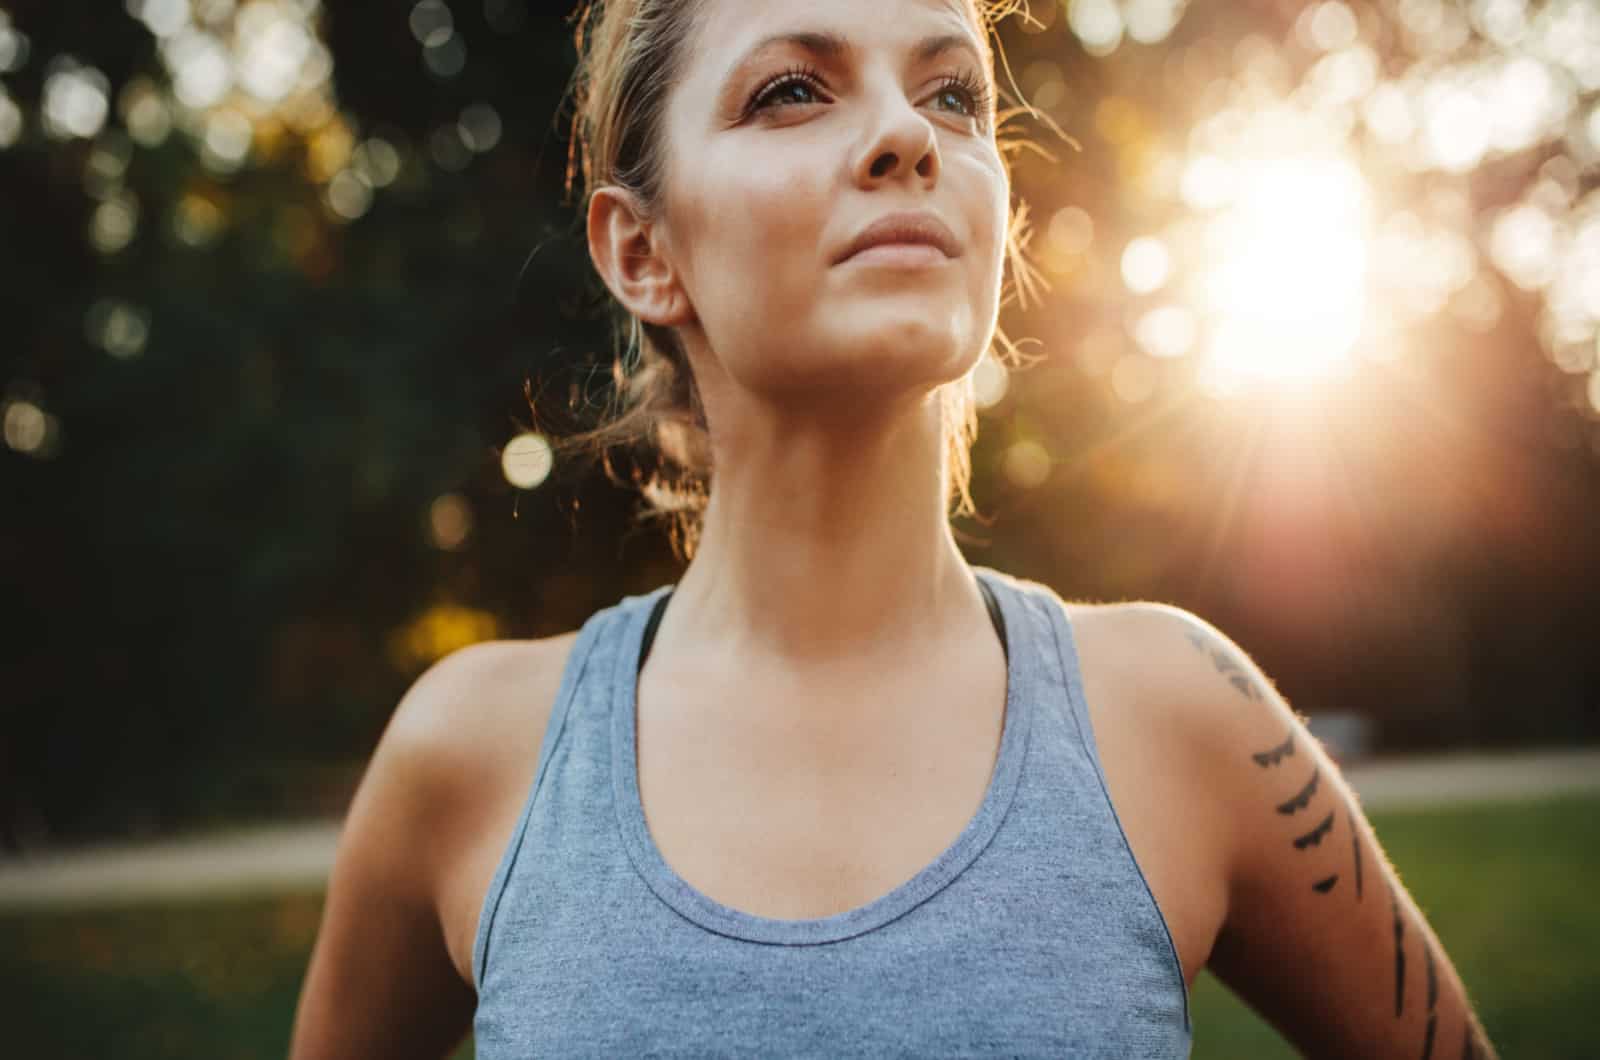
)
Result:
{"points": [[273, 49], [1027, 464], [196, 221], [349, 195], [1166, 331], [144, 111], [431, 23], [118, 327], [76, 100], [1097, 24], [449, 522], [14, 46], [990, 381], [1522, 243], [10, 121], [1071, 231], [448, 150], [226, 142], [446, 59], [201, 67], [1328, 26], [1152, 21], [1133, 379], [1146, 264], [114, 222], [527, 461], [1455, 127], [480, 127], [161, 17], [28, 428], [377, 160]]}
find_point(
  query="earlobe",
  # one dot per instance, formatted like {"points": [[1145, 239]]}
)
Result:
{"points": [[628, 253]]}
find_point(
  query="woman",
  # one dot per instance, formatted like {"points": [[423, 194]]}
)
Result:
{"points": [[846, 795]]}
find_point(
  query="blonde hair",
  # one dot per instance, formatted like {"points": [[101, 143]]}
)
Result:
{"points": [[630, 54]]}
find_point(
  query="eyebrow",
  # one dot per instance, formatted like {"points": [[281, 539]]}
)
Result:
{"points": [[832, 46]]}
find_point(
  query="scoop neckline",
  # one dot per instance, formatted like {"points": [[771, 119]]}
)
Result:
{"points": [[708, 913]]}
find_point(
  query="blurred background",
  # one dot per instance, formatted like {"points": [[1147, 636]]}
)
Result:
{"points": [[293, 303]]}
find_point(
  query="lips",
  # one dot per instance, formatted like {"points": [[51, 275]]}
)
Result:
{"points": [[915, 229]]}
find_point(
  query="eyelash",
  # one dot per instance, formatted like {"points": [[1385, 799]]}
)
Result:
{"points": [[977, 91]]}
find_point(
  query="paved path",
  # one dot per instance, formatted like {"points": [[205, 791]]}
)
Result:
{"points": [[298, 857]]}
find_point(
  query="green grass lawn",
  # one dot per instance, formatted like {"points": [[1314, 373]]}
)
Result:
{"points": [[1509, 889]]}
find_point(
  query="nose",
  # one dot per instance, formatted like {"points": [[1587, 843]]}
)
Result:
{"points": [[900, 144]]}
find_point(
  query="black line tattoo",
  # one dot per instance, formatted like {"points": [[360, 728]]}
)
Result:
{"points": [[1399, 956], [1324, 886], [1314, 837], [1433, 998], [1466, 1042], [1433, 982], [1302, 800], [1275, 755], [1228, 667], [1355, 844]]}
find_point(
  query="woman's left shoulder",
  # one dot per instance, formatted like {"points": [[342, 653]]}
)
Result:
{"points": [[1167, 680], [1168, 658], [1221, 780], [1147, 705]]}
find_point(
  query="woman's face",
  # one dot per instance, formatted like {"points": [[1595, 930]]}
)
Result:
{"points": [[794, 129]]}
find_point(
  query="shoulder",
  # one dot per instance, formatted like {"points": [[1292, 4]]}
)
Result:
{"points": [[1165, 684], [1171, 658], [1308, 893], [395, 928], [464, 703], [1199, 699], [441, 793], [461, 736]]}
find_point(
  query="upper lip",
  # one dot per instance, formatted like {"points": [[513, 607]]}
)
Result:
{"points": [[922, 228]]}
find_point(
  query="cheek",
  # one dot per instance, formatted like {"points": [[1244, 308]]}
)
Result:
{"points": [[752, 227], [986, 192]]}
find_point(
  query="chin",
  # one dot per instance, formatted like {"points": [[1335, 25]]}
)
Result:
{"points": [[911, 349], [873, 366]]}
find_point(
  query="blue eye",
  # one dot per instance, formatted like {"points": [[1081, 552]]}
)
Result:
{"points": [[790, 88], [968, 90], [964, 94]]}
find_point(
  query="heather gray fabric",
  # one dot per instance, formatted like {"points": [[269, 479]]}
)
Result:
{"points": [[1033, 934]]}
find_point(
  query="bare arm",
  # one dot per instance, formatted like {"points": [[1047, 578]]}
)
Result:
{"points": [[1321, 938], [380, 981]]}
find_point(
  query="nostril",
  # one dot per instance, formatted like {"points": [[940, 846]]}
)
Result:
{"points": [[925, 166], [884, 164]]}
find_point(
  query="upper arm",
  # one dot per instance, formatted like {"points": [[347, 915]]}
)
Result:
{"points": [[1320, 938], [381, 981]]}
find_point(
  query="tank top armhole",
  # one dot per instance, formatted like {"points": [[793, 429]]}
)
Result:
{"points": [[577, 660], [1078, 709]]}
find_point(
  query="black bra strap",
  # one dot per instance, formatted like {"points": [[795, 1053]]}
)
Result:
{"points": [[661, 606], [650, 627], [995, 616]]}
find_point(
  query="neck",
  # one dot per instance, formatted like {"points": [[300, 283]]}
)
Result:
{"points": [[826, 541]]}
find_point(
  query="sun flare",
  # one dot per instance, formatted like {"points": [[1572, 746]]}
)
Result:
{"points": [[1285, 297]]}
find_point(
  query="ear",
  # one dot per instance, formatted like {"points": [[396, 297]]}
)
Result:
{"points": [[629, 255]]}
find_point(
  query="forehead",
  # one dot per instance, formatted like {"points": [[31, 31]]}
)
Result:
{"points": [[727, 30]]}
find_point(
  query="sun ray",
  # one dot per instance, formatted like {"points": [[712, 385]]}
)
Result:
{"points": [[1243, 458]]}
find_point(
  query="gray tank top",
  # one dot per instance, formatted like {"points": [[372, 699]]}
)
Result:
{"points": [[1033, 934]]}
